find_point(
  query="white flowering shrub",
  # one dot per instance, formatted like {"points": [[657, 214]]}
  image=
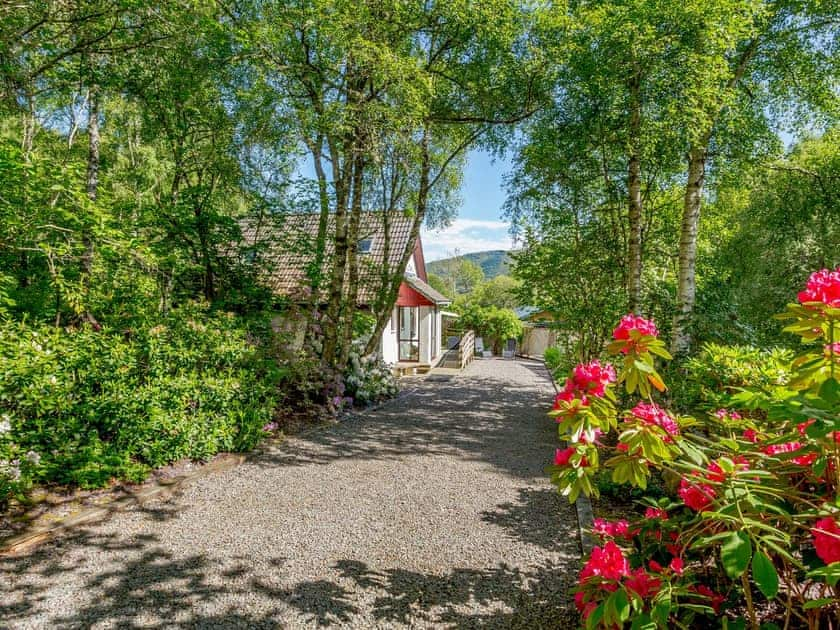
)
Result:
{"points": [[369, 379], [16, 467]]}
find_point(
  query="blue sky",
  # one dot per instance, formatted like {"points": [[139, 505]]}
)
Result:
{"points": [[478, 225]]}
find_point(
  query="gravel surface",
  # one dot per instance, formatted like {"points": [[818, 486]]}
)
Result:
{"points": [[431, 511]]}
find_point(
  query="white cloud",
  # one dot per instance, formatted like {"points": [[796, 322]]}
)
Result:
{"points": [[465, 236]]}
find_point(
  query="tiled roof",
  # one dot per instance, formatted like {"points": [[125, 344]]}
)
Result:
{"points": [[427, 290], [285, 246]]}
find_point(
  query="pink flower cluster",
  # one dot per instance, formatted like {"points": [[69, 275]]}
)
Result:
{"points": [[588, 379], [633, 322], [699, 495], [610, 564], [791, 447], [612, 529], [826, 533], [592, 378], [651, 413], [725, 414], [607, 562], [652, 513], [823, 286]]}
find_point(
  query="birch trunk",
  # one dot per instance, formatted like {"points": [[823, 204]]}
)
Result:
{"points": [[316, 280], [92, 189], [332, 313], [389, 297], [687, 284], [634, 205], [697, 156], [351, 298]]}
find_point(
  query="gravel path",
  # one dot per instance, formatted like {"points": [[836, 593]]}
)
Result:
{"points": [[432, 511]]}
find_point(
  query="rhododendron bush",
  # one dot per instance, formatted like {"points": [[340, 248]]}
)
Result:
{"points": [[751, 530]]}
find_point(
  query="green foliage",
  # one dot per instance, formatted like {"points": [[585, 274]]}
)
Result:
{"points": [[749, 262], [439, 283], [501, 292], [458, 275], [110, 404], [494, 324], [707, 381]]}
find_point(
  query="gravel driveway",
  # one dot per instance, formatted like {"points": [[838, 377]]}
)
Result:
{"points": [[432, 511]]}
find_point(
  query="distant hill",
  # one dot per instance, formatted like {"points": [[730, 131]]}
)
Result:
{"points": [[493, 263]]}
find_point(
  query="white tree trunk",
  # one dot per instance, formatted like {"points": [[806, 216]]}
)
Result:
{"points": [[687, 284], [634, 205]]}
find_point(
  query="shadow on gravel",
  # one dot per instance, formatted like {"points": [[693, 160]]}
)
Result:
{"points": [[516, 599], [536, 518], [147, 588], [150, 589], [497, 418]]}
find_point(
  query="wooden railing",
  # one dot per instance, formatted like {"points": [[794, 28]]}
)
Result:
{"points": [[466, 349]]}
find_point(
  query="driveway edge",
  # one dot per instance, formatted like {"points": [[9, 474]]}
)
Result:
{"points": [[583, 506]]}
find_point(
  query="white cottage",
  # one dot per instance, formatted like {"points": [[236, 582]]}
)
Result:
{"points": [[413, 336]]}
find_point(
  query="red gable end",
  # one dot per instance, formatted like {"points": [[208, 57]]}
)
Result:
{"points": [[409, 297]]}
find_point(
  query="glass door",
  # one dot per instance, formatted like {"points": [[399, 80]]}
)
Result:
{"points": [[409, 333]]}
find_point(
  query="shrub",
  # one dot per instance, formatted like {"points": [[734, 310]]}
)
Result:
{"points": [[755, 514], [89, 406], [492, 323], [369, 379], [706, 381]]}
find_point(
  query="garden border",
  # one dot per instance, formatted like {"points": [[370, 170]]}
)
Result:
{"points": [[583, 505], [163, 488]]}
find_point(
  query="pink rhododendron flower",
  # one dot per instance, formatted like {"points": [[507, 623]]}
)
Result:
{"points": [[652, 413], [592, 378], [791, 447], [562, 455], [633, 322], [677, 566], [826, 533], [823, 286], [656, 513], [696, 496], [750, 435], [642, 583], [607, 562], [617, 529], [832, 348], [716, 599], [724, 414]]}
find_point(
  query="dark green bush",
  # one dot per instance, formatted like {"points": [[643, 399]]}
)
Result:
{"points": [[90, 406]]}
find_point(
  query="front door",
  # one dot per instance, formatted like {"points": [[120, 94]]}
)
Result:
{"points": [[409, 333]]}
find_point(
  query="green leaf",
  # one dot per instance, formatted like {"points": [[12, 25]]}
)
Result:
{"points": [[735, 554], [765, 575], [642, 622], [830, 391], [622, 605], [818, 603]]}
